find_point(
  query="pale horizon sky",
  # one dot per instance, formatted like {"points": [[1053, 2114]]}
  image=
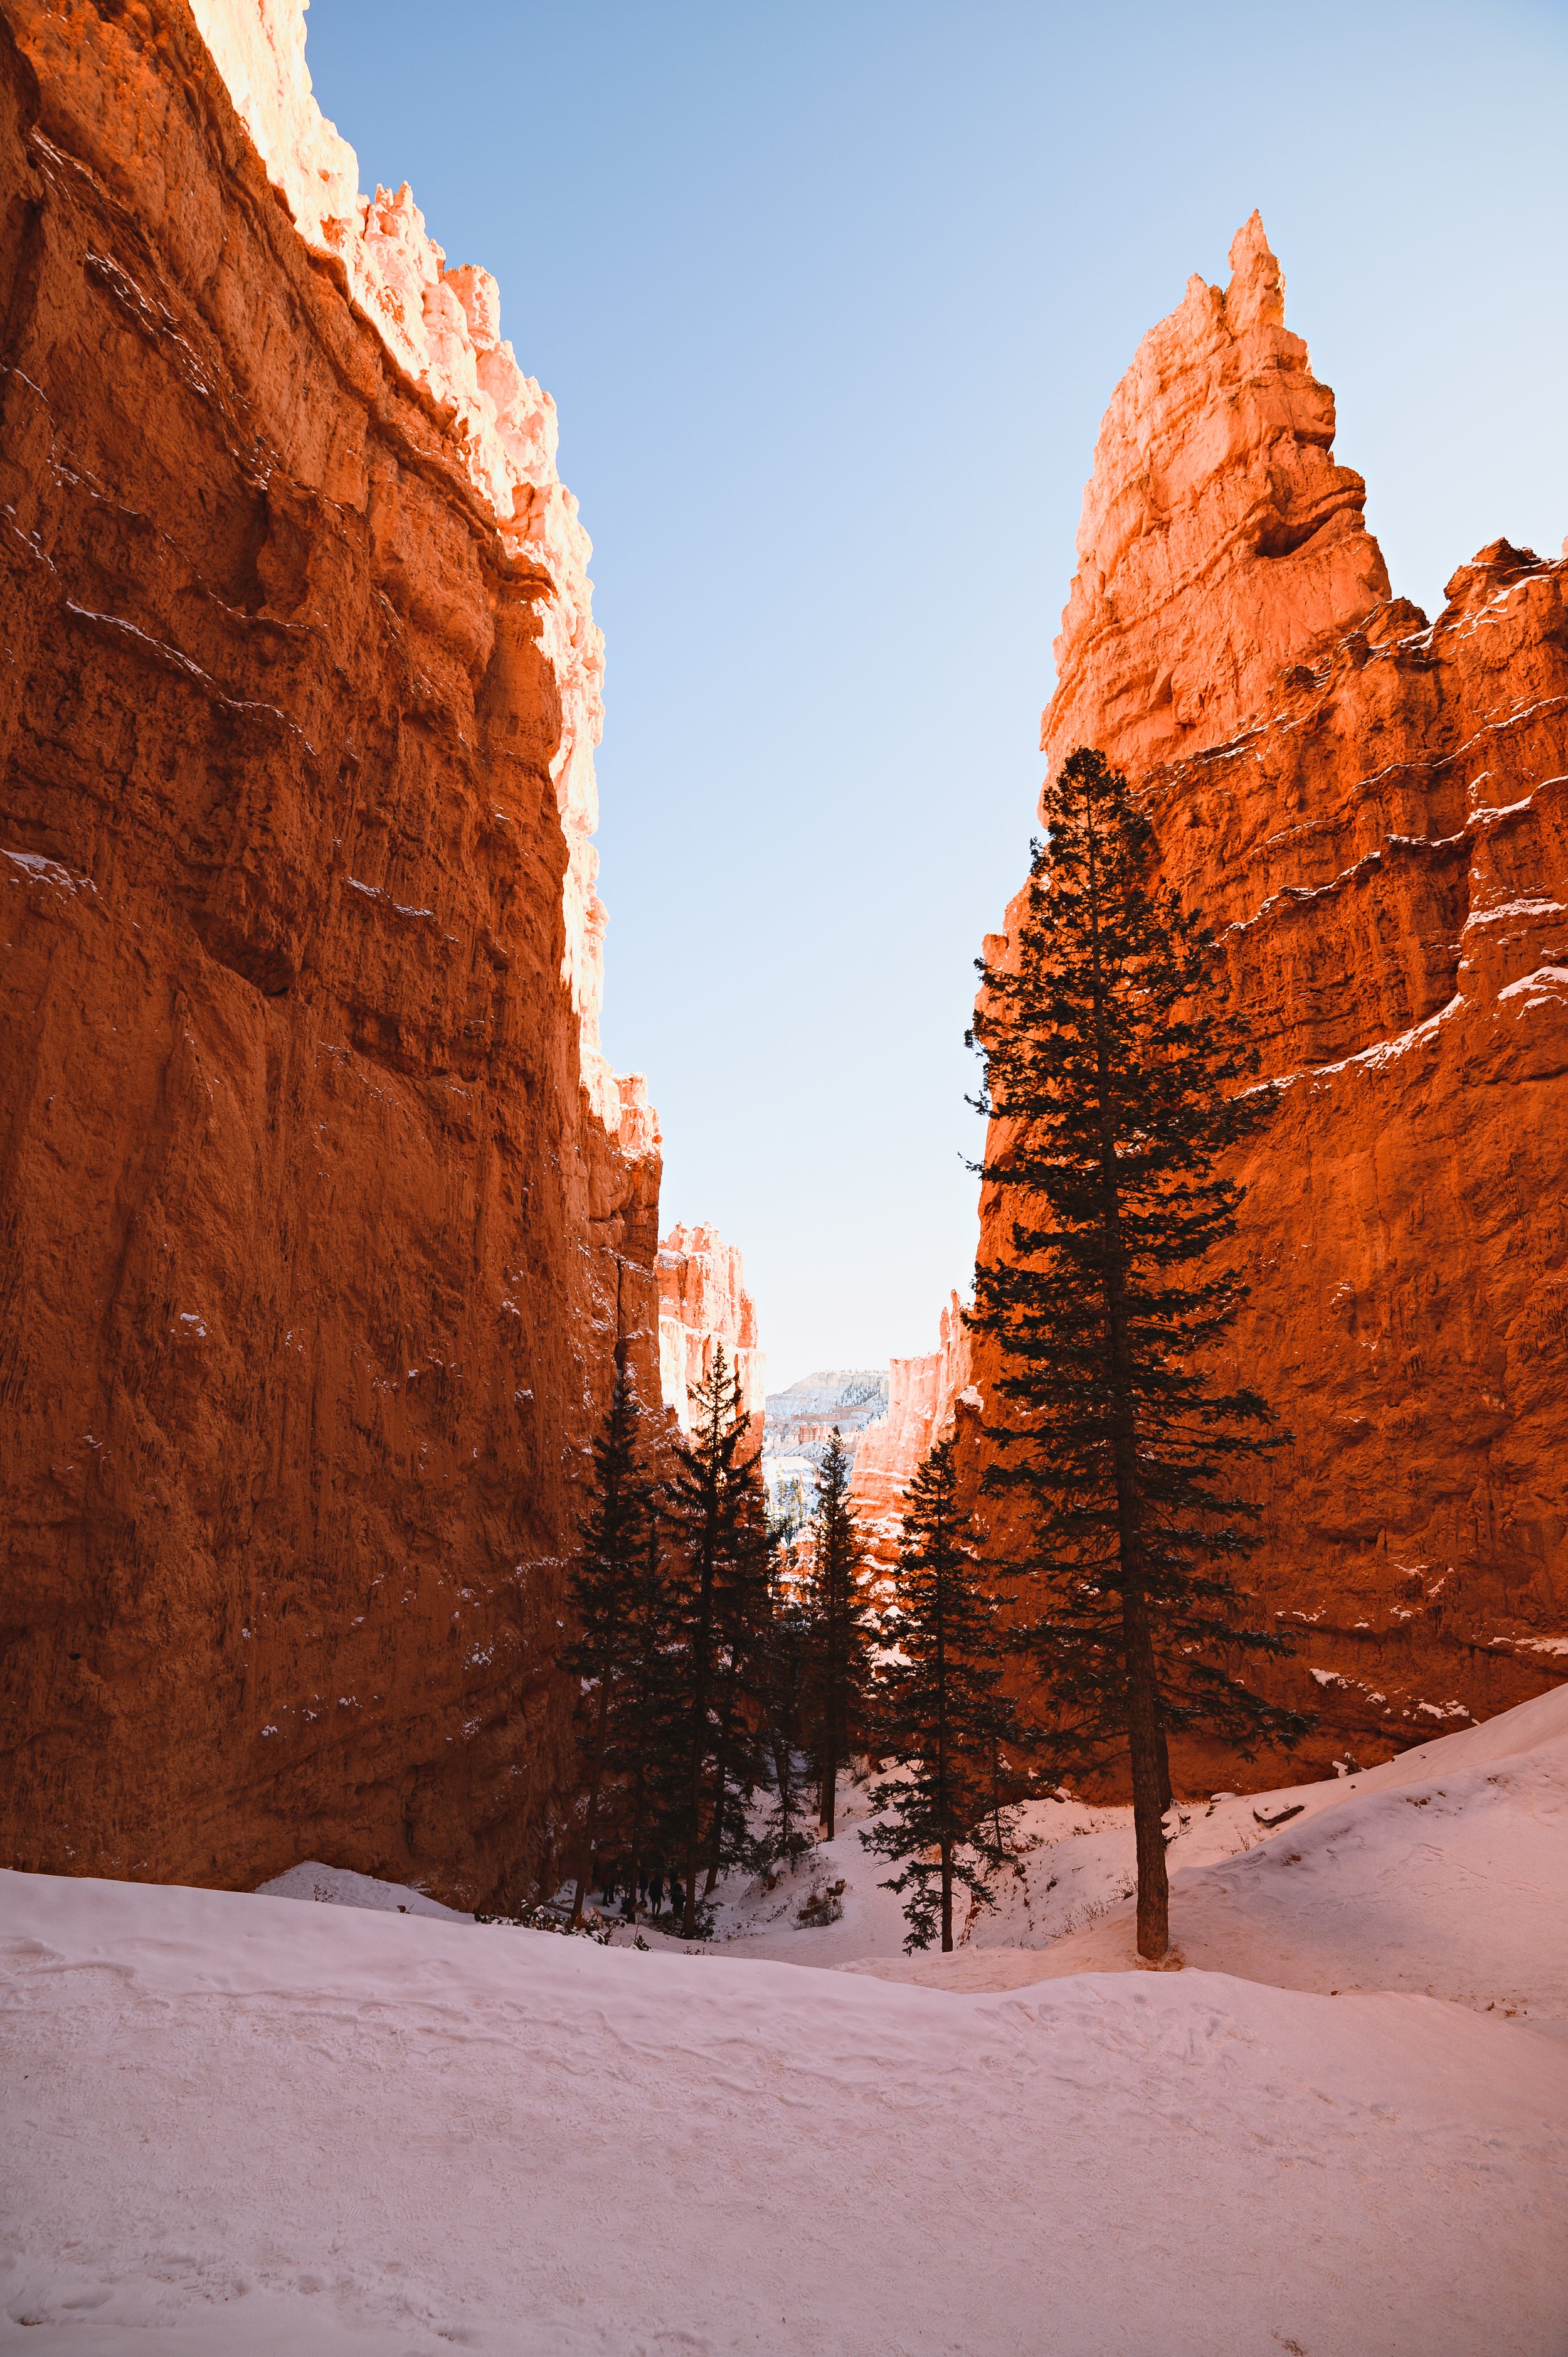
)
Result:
{"points": [[831, 300]]}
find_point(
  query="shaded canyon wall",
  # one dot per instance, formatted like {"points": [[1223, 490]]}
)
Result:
{"points": [[323, 1214]]}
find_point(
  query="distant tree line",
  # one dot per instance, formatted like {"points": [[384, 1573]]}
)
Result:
{"points": [[724, 1671], [731, 1668]]}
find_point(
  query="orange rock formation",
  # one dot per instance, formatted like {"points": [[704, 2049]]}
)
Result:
{"points": [[324, 1214], [1375, 811], [923, 1399], [702, 1302], [1219, 542]]}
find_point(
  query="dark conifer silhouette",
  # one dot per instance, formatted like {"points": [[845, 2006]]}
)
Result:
{"points": [[1116, 1083], [740, 1749], [788, 1670], [603, 1586], [841, 1664], [719, 1509], [643, 1726], [941, 1714]]}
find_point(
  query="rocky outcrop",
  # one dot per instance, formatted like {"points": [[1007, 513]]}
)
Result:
{"points": [[441, 328], [1219, 542], [322, 1215], [1373, 810], [923, 1400], [704, 1303]]}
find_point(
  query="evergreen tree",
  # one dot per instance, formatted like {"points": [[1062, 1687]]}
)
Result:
{"points": [[793, 1512], [642, 1743], [602, 1588], [787, 1670], [941, 1714], [1116, 1083], [841, 1648], [740, 1751], [720, 1511]]}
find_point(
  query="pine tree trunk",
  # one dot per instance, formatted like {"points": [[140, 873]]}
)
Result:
{"points": [[699, 1732], [715, 1847], [717, 1835], [827, 1806], [596, 1780], [783, 1768], [639, 1810], [944, 1793], [720, 1782], [1145, 1733], [836, 1647], [1146, 1739], [1168, 1797], [827, 1797]]}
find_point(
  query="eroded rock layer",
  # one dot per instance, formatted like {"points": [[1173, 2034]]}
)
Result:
{"points": [[1374, 810], [703, 1307], [322, 1216], [923, 1399]]}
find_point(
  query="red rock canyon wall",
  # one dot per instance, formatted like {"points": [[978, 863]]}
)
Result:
{"points": [[1374, 808], [923, 1400], [704, 1303], [323, 1214]]}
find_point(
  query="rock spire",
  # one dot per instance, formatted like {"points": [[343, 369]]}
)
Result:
{"points": [[1370, 809], [1220, 542], [702, 1302]]}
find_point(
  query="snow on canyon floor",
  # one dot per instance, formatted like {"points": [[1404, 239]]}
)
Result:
{"points": [[239, 2124]]}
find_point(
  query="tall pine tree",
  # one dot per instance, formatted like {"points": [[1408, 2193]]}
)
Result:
{"points": [[841, 1661], [643, 1741], [719, 1509], [1115, 1081], [942, 1714], [603, 1586], [740, 1751], [788, 1666]]}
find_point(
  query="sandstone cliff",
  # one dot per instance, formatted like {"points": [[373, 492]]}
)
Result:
{"points": [[323, 1214], [1374, 808], [704, 1303], [923, 1398]]}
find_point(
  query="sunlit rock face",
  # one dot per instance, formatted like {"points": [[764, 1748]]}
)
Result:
{"points": [[923, 1394], [1372, 811], [704, 1303], [1220, 542], [441, 328], [324, 1217], [800, 1422]]}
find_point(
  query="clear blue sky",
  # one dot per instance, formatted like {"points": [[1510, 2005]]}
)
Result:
{"points": [[832, 298]]}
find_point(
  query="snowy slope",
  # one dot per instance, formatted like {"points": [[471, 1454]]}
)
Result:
{"points": [[241, 2125], [339, 1885], [1444, 1872]]}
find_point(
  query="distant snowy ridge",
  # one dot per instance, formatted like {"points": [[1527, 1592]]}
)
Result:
{"points": [[850, 1398], [799, 1420]]}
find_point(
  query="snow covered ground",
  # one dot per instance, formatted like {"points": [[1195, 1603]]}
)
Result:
{"points": [[241, 2124], [1444, 1872]]}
